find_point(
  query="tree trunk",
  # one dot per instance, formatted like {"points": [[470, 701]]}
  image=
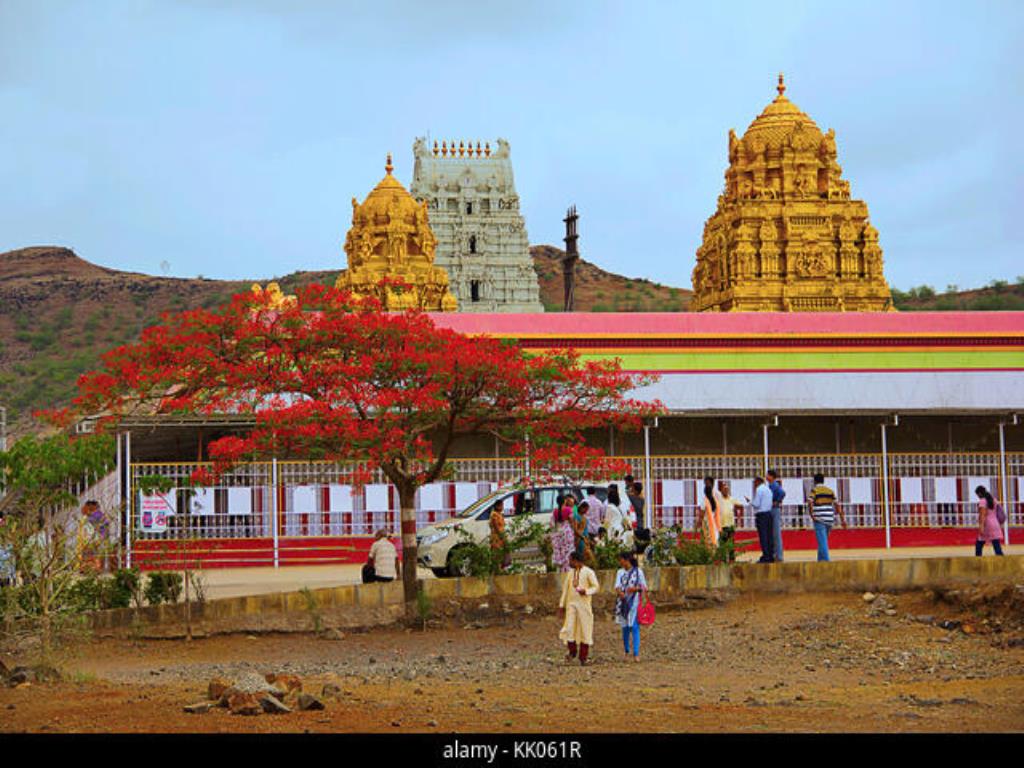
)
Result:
{"points": [[407, 502], [188, 605]]}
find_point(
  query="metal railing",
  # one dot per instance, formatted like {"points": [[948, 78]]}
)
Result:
{"points": [[308, 499]]}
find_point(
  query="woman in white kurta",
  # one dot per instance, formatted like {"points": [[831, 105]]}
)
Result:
{"points": [[578, 628], [613, 519]]}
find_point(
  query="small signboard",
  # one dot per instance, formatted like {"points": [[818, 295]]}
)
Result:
{"points": [[155, 509]]}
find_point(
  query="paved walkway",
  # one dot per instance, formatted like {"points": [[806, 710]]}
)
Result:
{"points": [[235, 582]]}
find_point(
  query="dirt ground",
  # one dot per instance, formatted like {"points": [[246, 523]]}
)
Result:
{"points": [[748, 663]]}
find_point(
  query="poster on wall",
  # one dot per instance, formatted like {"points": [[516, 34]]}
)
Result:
{"points": [[154, 509], [201, 501], [239, 501]]}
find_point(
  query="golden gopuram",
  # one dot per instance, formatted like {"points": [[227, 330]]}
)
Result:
{"points": [[391, 239], [786, 236]]}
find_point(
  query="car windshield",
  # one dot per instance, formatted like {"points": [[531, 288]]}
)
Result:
{"points": [[482, 502]]}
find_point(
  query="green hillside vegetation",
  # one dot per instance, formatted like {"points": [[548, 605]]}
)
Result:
{"points": [[998, 295]]}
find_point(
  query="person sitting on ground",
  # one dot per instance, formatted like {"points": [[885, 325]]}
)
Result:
{"points": [[630, 583], [578, 628], [382, 563]]}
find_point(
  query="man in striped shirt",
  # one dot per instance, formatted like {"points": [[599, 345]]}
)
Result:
{"points": [[823, 513]]}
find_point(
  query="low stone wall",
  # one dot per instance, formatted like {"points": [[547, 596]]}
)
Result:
{"points": [[365, 605]]}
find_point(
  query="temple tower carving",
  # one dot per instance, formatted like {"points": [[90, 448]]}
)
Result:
{"points": [[786, 236], [482, 242], [391, 238]]}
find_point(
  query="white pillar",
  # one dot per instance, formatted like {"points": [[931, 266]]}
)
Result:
{"points": [[885, 489], [647, 476], [1003, 482], [118, 467], [130, 501], [273, 508], [527, 455], [765, 468]]}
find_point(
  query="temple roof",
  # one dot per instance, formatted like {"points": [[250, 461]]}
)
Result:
{"points": [[779, 118], [388, 192]]}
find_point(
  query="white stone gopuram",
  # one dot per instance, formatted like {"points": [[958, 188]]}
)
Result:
{"points": [[481, 236]]}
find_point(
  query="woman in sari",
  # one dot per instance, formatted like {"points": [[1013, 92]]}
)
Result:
{"points": [[579, 532], [562, 538], [710, 519], [499, 538]]}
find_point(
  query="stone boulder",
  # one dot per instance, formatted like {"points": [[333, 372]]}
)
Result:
{"points": [[272, 706], [217, 688], [308, 701], [242, 703]]}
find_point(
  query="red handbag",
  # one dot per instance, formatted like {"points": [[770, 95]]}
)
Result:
{"points": [[645, 612]]}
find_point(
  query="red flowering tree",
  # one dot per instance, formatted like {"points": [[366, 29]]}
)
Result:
{"points": [[331, 376]]}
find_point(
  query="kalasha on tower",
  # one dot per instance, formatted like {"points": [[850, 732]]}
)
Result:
{"points": [[391, 238], [786, 236]]}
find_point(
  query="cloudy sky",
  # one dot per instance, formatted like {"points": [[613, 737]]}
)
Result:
{"points": [[226, 137]]}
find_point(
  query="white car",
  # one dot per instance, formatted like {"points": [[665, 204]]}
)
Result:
{"points": [[436, 542]]}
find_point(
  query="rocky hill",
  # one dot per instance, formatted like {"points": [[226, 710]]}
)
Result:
{"points": [[600, 291]]}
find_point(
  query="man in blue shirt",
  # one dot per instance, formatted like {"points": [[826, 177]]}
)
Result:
{"points": [[762, 504], [777, 496]]}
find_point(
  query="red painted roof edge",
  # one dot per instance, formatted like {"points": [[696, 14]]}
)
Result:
{"points": [[738, 323]]}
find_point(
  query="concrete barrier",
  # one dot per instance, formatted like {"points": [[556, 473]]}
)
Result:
{"points": [[375, 604]]}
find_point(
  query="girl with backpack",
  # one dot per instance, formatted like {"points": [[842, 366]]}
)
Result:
{"points": [[988, 522], [630, 586]]}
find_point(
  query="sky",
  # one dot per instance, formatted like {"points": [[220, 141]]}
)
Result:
{"points": [[225, 138]]}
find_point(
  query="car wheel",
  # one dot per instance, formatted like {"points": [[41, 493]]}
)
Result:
{"points": [[451, 570]]}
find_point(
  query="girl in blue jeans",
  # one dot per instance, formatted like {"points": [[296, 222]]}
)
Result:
{"points": [[629, 583]]}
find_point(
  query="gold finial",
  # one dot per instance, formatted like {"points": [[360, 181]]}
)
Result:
{"points": [[487, 149], [435, 148], [462, 149], [781, 87], [388, 167], [444, 149], [478, 149]]}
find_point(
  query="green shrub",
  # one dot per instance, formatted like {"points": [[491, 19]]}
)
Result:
{"points": [[85, 594], [163, 587], [607, 554], [423, 606], [469, 558], [124, 586], [700, 552]]}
